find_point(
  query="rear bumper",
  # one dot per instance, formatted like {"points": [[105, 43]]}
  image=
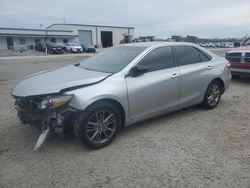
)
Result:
{"points": [[240, 71]]}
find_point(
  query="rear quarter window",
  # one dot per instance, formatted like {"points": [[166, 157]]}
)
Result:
{"points": [[203, 56]]}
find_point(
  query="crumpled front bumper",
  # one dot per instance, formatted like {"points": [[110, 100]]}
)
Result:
{"points": [[60, 120]]}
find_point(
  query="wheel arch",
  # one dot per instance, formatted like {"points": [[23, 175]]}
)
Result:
{"points": [[221, 83], [116, 104]]}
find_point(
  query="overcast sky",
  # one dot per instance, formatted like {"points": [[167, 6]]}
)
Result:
{"points": [[161, 18]]}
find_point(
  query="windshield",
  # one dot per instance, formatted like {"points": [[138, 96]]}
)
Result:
{"points": [[112, 60]]}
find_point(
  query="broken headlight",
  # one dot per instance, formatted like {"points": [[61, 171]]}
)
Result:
{"points": [[55, 102]]}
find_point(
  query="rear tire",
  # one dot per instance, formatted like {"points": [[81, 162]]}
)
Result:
{"points": [[98, 125], [212, 95]]}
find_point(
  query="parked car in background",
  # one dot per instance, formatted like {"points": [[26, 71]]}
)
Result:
{"points": [[229, 45], [203, 44], [219, 45], [55, 48], [236, 44], [63, 45], [240, 61], [211, 45], [73, 48], [88, 48], [40, 46], [120, 86]]}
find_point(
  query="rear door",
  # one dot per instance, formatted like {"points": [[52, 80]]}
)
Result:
{"points": [[157, 90], [196, 72]]}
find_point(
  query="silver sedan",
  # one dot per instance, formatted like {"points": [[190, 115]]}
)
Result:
{"points": [[120, 86]]}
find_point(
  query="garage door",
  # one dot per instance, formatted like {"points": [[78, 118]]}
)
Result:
{"points": [[85, 37]]}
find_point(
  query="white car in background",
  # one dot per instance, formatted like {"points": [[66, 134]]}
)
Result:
{"points": [[74, 48], [229, 45]]}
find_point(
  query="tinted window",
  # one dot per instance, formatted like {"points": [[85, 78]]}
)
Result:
{"points": [[203, 57], [52, 40], [160, 58], [187, 55], [112, 60]]}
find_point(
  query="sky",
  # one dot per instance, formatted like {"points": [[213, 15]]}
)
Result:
{"points": [[160, 18]]}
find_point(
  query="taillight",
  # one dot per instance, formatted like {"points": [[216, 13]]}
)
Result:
{"points": [[228, 65]]}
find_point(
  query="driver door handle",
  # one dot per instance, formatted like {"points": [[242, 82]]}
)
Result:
{"points": [[174, 76]]}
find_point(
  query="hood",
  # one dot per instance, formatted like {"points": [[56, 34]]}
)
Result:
{"points": [[53, 81]]}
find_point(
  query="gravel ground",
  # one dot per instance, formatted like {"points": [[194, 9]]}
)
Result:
{"points": [[189, 148]]}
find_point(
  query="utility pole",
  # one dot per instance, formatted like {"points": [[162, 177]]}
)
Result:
{"points": [[64, 20]]}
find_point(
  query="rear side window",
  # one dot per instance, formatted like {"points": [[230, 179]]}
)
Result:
{"points": [[204, 57], [160, 58], [187, 55]]}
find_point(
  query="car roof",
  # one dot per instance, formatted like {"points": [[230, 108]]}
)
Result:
{"points": [[155, 44], [148, 45]]}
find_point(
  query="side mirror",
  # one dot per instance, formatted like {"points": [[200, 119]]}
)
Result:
{"points": [[137, 71]]}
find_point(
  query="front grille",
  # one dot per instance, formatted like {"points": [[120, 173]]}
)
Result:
{"points": [[247, 57], [234, 57], [28, 103], [28, 111]]}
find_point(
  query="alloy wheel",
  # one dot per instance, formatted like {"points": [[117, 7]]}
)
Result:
{"points": [[101, 126], [213, 94]]}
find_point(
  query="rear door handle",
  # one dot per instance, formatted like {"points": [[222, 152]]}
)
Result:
{"points": [[175, 76], [209, 67]]}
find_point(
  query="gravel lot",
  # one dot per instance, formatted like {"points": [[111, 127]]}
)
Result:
{"points": [[189, 148]]}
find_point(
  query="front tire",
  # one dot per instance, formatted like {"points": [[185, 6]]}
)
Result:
{"points": [[213, 95], [98, 125]]}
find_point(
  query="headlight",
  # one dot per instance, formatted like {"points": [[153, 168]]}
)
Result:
{"points": [[54, 48], [55, 102]]}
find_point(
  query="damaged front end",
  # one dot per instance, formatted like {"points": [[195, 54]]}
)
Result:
{"points": [[46, 112]]}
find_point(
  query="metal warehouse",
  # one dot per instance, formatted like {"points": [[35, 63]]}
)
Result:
{"points": [[96, 35]]}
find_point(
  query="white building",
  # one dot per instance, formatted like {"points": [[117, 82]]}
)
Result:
{"points": [[13, 38], [97, 35]]}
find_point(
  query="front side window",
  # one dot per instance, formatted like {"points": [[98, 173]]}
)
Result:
{"points": [[187, 55], [158, 59], [52, 40]]}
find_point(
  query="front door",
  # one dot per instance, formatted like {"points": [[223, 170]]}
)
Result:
{"points": [[9, 42], [157, 90]]}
